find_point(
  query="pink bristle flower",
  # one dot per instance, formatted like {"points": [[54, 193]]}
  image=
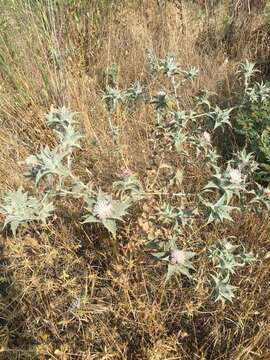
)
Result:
{"points": [[177, 257], [103, 209]]}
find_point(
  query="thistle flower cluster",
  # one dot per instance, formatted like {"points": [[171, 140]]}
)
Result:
{"points": [[50, 165], [189, 133]]}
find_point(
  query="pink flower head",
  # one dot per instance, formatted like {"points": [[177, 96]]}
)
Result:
{"points": [[125, 171], [206, 136], [103, 209], [235, 176], [30, 163], [177, 257]]}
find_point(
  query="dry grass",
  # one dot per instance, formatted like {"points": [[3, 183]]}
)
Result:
{"points": [[55, 56]]}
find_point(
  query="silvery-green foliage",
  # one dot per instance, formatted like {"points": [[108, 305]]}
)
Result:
{"points": [[178, 260], [218, 211], [175, 125], [63, 121], [202, 98], [201, 142], [180, 119], [175, 216], [220, 116], [248, 70], [129, 189], [252, 95], [263, 91], [222, 254], [19, 208], [180, 268], [190, 74], [245, 162], [113, 97], [228, 183], [212, 157], [246, 258], [223, 257], [78, 190], [260, 92], [222, 290], [261, 196], [51, 163], [103, 209], [69, 138], [169, 66], [61, 117], [134, 92]]}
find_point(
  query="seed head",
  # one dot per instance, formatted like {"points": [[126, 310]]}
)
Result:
{"points": [[177, 257], [103, 209]]}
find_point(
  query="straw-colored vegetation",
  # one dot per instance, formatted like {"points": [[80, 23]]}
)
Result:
{"points": [[77, 282]]}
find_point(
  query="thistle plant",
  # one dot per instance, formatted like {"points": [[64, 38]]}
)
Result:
{"points": [[261, 197], [103, 209], [190, 74], [50, 162], [55, 164], [187, 131], [212, 157], [177, 217], [169, 66], [222, 255], [227, 183], [222, 290], [245, 162], [259, 92], [220, 117], [219, 210], [160, 101], [113, 97], [134, 92], [201, 143], [181, 139], [248, 70], [176, 126], [178, 260], [31, 166], [61, 117], [129, 189], [180, 119], [21, 209]]}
